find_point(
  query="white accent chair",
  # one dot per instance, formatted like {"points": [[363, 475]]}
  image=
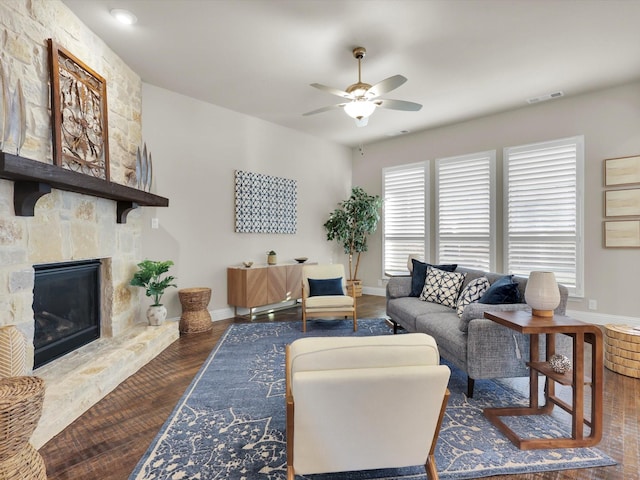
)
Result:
{"points": [[326, 306], [361, 403]]}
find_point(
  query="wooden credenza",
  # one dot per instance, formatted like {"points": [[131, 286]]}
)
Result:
{"points": [[263, 285]]}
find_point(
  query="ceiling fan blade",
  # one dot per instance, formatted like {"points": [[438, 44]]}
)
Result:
{"points": [[331, 90], [385, 86], [398, 105], [324, 109]]}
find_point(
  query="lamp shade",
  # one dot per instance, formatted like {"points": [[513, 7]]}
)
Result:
{"points": [[542, 293], [359, 108]]}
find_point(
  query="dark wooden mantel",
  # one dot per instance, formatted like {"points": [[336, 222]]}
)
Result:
{"points": [[34, 179]]}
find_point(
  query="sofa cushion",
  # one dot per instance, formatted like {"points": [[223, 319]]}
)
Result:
{"points": [[443, 326], [503, 290], [419, 274], [441, 287], [472, 293], [325, 286], [405, 310]]}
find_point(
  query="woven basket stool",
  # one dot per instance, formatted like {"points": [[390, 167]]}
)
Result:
{"points": [[20, 409], [195, 317]]}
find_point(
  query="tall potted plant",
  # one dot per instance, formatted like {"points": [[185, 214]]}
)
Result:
{"points": [[149, 276], [350, 225]]}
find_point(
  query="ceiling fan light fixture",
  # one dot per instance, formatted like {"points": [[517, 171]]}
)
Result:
{"points": [[359, 109]]}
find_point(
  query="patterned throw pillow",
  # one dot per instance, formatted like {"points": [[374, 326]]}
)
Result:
{"points": [[472, 293], [419, 274], [442, 287]]}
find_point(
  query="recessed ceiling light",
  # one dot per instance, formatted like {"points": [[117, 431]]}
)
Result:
{"points": [[124, 16]]}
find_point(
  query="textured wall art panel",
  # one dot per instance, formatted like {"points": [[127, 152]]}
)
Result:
{"points": [[265, 204]]}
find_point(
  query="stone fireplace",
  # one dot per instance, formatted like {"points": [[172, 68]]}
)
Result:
{"points": [[69, 227]]}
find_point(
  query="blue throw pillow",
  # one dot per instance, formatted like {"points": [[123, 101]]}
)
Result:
{"points": [[325, 286], [503, 290], [420, 273]]}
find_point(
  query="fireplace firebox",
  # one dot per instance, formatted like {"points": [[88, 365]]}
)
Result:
{"points": [[66, 307]]}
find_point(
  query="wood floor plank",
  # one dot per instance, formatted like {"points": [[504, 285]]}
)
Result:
{"points": [[108, 440]]}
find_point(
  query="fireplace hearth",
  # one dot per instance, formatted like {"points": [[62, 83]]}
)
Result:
{"points": [[66, 307]]}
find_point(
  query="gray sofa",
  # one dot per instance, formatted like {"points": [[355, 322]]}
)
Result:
{"points": [[479, 347]]}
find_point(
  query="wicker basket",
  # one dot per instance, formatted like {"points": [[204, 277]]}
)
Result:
{"points": [[195, 317], [21, 401]]}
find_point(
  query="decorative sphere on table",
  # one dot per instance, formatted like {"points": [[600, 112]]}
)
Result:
{"points": [[559, 363]]}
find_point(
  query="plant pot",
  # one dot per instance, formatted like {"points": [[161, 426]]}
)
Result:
{"points": [[358, 287], [156, 314], [272, 259]]}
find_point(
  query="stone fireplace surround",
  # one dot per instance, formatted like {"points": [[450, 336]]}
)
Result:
{"points": [[69, 226], [81, 378], [78, 380]]}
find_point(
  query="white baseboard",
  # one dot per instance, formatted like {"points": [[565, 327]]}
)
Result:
{"points": [[221, 314], [226, 313], [589, 317], [380, 292], [603, 318]]}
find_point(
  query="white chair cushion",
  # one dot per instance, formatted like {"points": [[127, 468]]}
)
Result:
{"points": [[329, 301], [364, 402], [322, 353], [350, 420]]}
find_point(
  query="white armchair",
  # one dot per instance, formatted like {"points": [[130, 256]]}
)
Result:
{"points": [[361, 403], [324, 298]]}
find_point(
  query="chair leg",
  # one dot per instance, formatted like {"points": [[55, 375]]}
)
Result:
{"points": [[470, 384], [291, 475], [430, 467], [304, 322]]}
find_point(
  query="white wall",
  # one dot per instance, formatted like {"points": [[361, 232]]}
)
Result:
{"points": [[195, 148], [610, 121]]}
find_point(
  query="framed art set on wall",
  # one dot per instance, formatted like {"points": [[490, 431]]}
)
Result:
{"points": [[622, 202]]}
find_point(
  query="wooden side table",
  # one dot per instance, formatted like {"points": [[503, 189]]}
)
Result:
{"points": [[622, 350], [195, 317], [581, 333]]}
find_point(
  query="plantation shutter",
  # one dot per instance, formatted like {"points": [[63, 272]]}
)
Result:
{"points": [[464, 208], [404, 223], [543, 227]]}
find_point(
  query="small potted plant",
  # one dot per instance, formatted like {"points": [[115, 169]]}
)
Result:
{"points": [[272, 259], [149, 277]]}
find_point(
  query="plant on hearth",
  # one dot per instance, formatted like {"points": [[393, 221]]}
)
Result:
{"points": [[149, 277], [352, 222]]}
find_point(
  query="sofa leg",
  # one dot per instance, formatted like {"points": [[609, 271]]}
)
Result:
{"points": [[470, 384], [392, 324]]}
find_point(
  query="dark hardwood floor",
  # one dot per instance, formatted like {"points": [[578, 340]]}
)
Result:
{"points": [[108, 440]]}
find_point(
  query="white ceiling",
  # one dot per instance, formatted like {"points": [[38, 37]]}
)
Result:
{"points": [[463, 58]]}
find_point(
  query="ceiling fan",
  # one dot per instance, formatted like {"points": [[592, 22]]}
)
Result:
{"points": [[364, 98]]}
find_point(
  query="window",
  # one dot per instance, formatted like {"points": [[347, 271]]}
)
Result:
{"points": [[465, 210], [543, 210], [404, 190]]}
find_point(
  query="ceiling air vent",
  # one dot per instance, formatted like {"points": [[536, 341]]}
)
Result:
{"points": [[544, 98]]}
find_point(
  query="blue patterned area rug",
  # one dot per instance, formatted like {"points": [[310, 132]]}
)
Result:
{"points": [[230, 423]]}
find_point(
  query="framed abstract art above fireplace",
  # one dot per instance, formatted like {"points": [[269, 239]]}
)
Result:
{"points": [[79, 113], [265, 204]]}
